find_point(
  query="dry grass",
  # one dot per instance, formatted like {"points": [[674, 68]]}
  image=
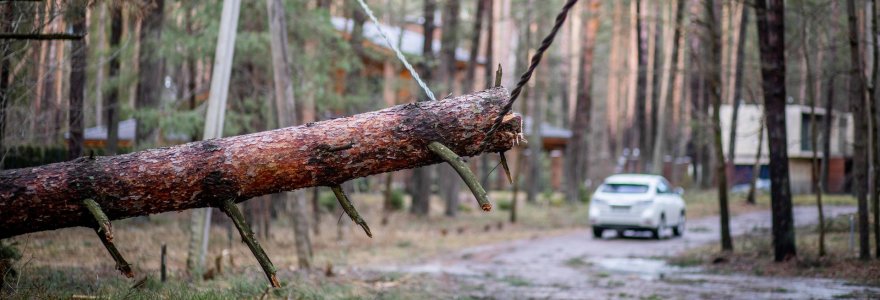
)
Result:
{"points": [[753, 254], [76, 252], [701, 203]]}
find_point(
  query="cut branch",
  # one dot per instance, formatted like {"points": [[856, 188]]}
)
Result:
{"points": [[102, 228], [350, 210], [201, 174], [247, 235], [103, 223], [466, 175]]}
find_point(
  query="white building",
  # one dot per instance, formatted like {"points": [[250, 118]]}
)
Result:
{"points": [[799, 144]]}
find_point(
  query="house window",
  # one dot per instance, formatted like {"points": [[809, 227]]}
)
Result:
{"points": [[807, 131]]}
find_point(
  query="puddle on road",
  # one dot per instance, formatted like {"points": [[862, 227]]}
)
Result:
{"points": [[645, 268]]}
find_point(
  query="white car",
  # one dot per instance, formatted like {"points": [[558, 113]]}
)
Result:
{"points": [[637, 202]]}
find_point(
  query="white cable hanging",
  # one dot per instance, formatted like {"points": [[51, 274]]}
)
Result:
{"points": [[399, 54]]}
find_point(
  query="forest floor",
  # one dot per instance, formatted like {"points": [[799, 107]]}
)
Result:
{"points": [[72, 262]]}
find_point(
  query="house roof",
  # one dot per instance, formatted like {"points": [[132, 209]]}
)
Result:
{"points": [[547, 130], [410, 41], [127, 129]]}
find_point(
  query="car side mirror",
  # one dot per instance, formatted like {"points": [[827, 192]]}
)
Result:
{"points": [[679, 191]]}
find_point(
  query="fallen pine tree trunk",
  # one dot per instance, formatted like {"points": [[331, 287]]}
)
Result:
{"points": [[206, 173]]}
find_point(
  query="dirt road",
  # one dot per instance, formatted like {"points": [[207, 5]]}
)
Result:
{"points": [[577, 266]]}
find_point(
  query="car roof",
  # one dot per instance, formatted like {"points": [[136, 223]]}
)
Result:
{"points": [[634, 178]]}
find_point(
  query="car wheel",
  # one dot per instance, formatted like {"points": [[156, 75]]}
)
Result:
{"points": [[657, 233], [597, 232], [678, 230]]}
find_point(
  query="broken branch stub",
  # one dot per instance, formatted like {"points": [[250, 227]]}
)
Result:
{"points": [[202, 173], [247, 235], [102, 228], [466, 174], [349, 209]]}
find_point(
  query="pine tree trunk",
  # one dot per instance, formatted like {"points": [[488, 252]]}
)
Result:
{"points": [[873, 121], [738, 58], [202, 173], [448, 181], [858, 110], [814, 131], [667, 85], [149, 86], [489, 75], [421, 177], [112, 100], [771, 40], [714, 77], [641, 84], [578, 155]]}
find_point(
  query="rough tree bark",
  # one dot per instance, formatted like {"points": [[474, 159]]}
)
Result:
{"points": [[772, 49], [201, 174], [578, 155]]}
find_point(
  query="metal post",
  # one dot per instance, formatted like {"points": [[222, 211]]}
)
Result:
{"points": [[162, 266], [852, 233]]}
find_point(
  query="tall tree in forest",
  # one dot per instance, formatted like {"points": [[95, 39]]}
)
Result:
{"points": [[535, 109], [285, 115], [814, 128], [471, 73], [833, 33], [149, 86], [739, 58], [641, 105], [77, 19], [713, 67], [111, 99], [667, 85], [860, 128], [421, 178], [484, 10], [771, 38], [447, 180], [578, 155]]}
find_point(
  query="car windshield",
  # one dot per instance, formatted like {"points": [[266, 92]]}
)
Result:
{"points": [[624, 188]]}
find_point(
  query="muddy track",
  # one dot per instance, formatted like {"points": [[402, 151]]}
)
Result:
{"points": [[577, 266]]}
